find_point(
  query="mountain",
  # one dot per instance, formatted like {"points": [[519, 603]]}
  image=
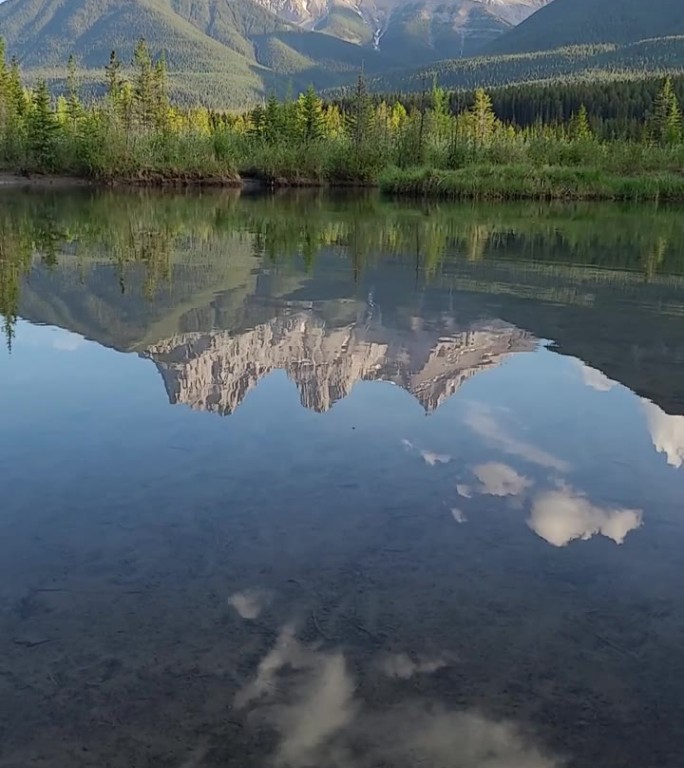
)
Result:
{"points": [[214, 371], [563, 39], [585, 22], [231, 52]]}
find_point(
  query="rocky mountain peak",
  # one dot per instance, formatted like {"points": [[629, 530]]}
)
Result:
{"points": [[214, 371]]}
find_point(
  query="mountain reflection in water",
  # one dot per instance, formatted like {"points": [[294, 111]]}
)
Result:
{"points": [[423, 505]]}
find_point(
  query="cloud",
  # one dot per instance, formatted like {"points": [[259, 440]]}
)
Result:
{"points": [[419, 734], [310, 711], [65, 341], [435, 458], [500, 480], [429, 457], [401, 665], [250, 603], [563, 515], [308, 699], [667, 433], [322, 708], [594, 378], [464, 490], [287, 651], [458, 515], [481, 420]]}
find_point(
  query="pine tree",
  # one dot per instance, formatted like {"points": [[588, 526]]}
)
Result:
{"points": [[481, 118], [73, 104], [310, 113], [360, 116], [257, 122], [15, 90], [12, 112], [334, 122], [579, 128], [398, 116], [114, 80], [273, 121], [161, 106], [673, 122], [4, 102], [42, 129], [440, 118], [3, 82], [143, 84], [665, 123]]}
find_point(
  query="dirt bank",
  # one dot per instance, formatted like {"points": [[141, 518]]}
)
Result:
{"points": [[18, 180]]}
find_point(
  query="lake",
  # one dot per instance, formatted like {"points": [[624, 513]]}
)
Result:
{"points": [[314, 481]]}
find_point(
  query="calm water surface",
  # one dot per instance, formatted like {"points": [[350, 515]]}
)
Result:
{"points": [[320, 483]]}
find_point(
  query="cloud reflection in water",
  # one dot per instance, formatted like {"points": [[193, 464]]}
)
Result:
{"points": [[482, 421], [562, 515], [310, 700], [559, 514], [667, 433]]}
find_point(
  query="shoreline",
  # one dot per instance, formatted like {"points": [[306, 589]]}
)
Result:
{"points": [[9, 180], [487, 183]]}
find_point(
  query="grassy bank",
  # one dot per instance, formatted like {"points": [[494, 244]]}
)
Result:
{"points": [[524, 182], [479, 182]]}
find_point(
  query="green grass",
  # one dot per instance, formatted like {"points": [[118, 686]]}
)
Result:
{"points": [[524, 182]]}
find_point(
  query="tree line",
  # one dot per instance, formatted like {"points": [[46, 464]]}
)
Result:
{"points": [[134, 132], [617, 109]]}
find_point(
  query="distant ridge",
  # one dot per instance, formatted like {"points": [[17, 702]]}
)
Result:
{"points": [[587, 22]]}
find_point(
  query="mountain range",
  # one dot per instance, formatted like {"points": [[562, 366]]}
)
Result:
{"points": [[214, 371], [230, 52], [233, 52]]}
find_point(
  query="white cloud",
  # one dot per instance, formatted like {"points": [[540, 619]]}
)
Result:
{"points": [[250, 603], [429, 457], [667, 433], [458, 515], [308, 698], [65, 341], [563, 515], [435, 458], [323, 707], [287, 650], [595, 379], [419, 734], [482, 421], [464, 490], [403, 666], [500, 480], [312, 710]]}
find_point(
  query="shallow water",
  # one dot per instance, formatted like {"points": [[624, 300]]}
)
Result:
{"points": [[317, 482]]}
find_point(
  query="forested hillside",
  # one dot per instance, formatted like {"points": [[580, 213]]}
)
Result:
{"points": [[233, 53], [584, 22], [218, 52], [230, 53], [589, 62]]}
